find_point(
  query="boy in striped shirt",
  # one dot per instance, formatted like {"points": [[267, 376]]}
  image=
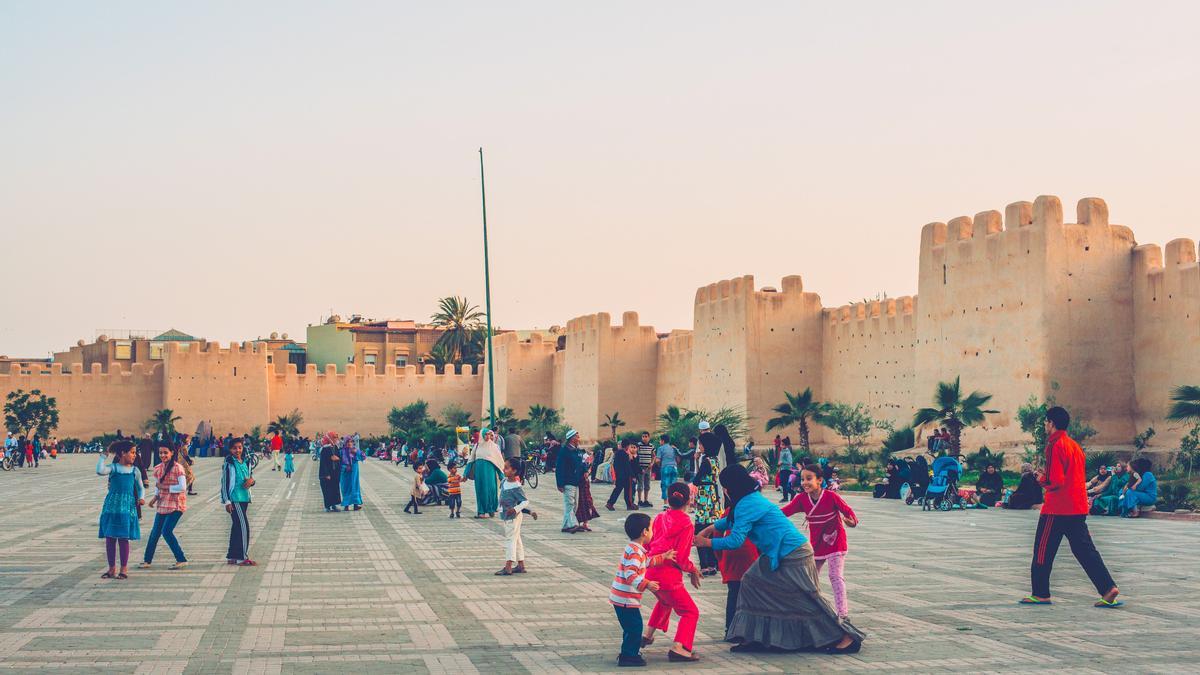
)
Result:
{"points": [[629, 584], [454, 491]]}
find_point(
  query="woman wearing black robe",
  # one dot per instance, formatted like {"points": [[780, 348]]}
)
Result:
{"points": [[330, 475]]}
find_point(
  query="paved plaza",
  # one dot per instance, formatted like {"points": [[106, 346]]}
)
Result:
{"points": [[382, 591]]}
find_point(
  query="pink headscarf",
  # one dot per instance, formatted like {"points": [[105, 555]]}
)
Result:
{"points": [[329, 438]]}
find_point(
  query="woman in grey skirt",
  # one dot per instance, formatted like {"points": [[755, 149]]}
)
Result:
{"points": [[780, 605]]}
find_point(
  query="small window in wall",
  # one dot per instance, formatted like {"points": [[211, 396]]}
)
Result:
{"points": [[124, 349], [270, 358], [369, 358], [156, 350], [401, 361]]}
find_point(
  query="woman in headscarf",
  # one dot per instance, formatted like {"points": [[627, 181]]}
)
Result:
{"points": [[585, 508], [918, 477], [330, 471], [706, 508], [485, 467], [780, 605], [351, 489]]}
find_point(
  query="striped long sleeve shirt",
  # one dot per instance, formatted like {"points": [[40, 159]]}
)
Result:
{"points": [[630, 580]]}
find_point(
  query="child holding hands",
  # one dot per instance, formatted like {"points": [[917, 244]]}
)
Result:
{"points": [[629, 584]]}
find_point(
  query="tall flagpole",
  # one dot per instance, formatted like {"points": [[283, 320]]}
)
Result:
{"points": [[487, 295]]}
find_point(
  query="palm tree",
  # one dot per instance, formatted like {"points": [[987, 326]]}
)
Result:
{"points": [[541, 419], [505, 423], [1185, 403], [798, 409], [614, 422], [439, 357], [459, 319], [287, 425], [954, 412], [162, 421]]}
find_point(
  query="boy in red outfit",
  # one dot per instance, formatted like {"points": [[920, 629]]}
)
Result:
{"points": [[673, 531], [1064, 514]]}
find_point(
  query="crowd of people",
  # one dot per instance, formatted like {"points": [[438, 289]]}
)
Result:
{"points": [[713, 506]]}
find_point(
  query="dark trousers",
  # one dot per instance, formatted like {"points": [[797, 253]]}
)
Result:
{"points": [[708, 559], [622, 484], [631, 630], [454, 502], [731, 595], [785, 484], [239, 532], [413, 505], [1050, 531]]}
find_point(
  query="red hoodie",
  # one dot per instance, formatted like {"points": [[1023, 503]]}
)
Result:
{"points": [[672, 531], [1065, 477]]}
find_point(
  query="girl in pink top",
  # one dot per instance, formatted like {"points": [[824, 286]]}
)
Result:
{"points": [[673, 531], [828, 516]]}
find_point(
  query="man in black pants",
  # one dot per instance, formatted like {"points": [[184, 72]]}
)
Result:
{"points": [[1064, 514], [623, 468]]}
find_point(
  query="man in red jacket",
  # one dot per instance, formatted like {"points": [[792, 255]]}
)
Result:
{"points": [[1064, 513]]}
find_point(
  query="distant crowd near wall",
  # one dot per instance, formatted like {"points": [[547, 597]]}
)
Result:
{"points": [[1017, 304]]}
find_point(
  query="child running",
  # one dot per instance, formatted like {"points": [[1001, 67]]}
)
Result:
{"points": [[454, 490], [629, 584], [826, 512], [118, 516], [674, 532], [289, 466], [513, 507]]}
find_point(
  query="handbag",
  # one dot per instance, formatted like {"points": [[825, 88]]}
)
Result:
{"points": [[469, 474]]}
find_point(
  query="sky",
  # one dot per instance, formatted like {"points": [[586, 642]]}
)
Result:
{"points": [[236, 168]]}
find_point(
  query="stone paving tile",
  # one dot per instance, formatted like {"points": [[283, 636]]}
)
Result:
{"points": [[382, 591]]}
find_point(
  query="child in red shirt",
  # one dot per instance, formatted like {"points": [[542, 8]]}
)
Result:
{"points": [[827, 514], [673, 531], [733, 565]]}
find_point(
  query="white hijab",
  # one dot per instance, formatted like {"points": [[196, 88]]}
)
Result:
{"points": [[487, 450]]}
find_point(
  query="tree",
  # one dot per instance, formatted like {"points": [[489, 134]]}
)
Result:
{"points": [[541, 420], [453, 415], [473, 350], [1185, 404], [162, 422], [954, 411], [32, 412], [506, 421], [614, 422], [798, 409], [287, 425], [898, 440], [1032, 415], [403, 420], [459, 319], [439, 357], [680, 424], [852, 422]]}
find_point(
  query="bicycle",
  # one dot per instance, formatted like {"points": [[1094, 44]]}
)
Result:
{"points": [[7, 462], [533, 469]]}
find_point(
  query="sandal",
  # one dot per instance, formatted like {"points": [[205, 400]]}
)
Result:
{"points": [[647, 641], [1108, 604], [143, 566], [247, 563], [179, 565], [122, 575], [106, 575], [518, 570], [505, 572], [673, 655], [1030, 600]]}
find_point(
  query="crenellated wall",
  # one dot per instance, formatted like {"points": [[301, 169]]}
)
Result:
{"points": [[868, 356], [524, 372], [1017, 304], [93, 402], [1166, 331], [359, 399]]}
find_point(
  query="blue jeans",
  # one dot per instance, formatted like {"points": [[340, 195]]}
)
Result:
{"points": [[1134, 499], [667, 477], [164, 525], [631, 630]]}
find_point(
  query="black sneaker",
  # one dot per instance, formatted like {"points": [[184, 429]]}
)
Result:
{"points": [[630, 661]]}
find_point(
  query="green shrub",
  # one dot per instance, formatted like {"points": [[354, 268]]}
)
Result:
{"points": [[1095, 460], [1174, 497], [979, 460]]}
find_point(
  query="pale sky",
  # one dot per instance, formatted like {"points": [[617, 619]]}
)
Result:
{"points": [[236, 168]]}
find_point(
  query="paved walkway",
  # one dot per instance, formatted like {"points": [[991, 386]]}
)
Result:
{"points": [[379, 590]]}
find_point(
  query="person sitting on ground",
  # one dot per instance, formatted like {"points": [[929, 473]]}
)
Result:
{"points": [[1141, 491], [989, 488], [1107, 502], [1099, 482], [1028, 493], [436, 480]]}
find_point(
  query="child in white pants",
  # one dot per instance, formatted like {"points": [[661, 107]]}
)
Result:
{"points": [[512, 502]]}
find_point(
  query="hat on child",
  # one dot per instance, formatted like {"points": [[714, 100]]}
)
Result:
{"points": [[570, 434], [704, 426]]}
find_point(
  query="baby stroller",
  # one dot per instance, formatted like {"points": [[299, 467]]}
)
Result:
{"points": [[942, 493]]}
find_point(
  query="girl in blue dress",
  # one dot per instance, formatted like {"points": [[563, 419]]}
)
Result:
{"points": [[119, 515]]}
